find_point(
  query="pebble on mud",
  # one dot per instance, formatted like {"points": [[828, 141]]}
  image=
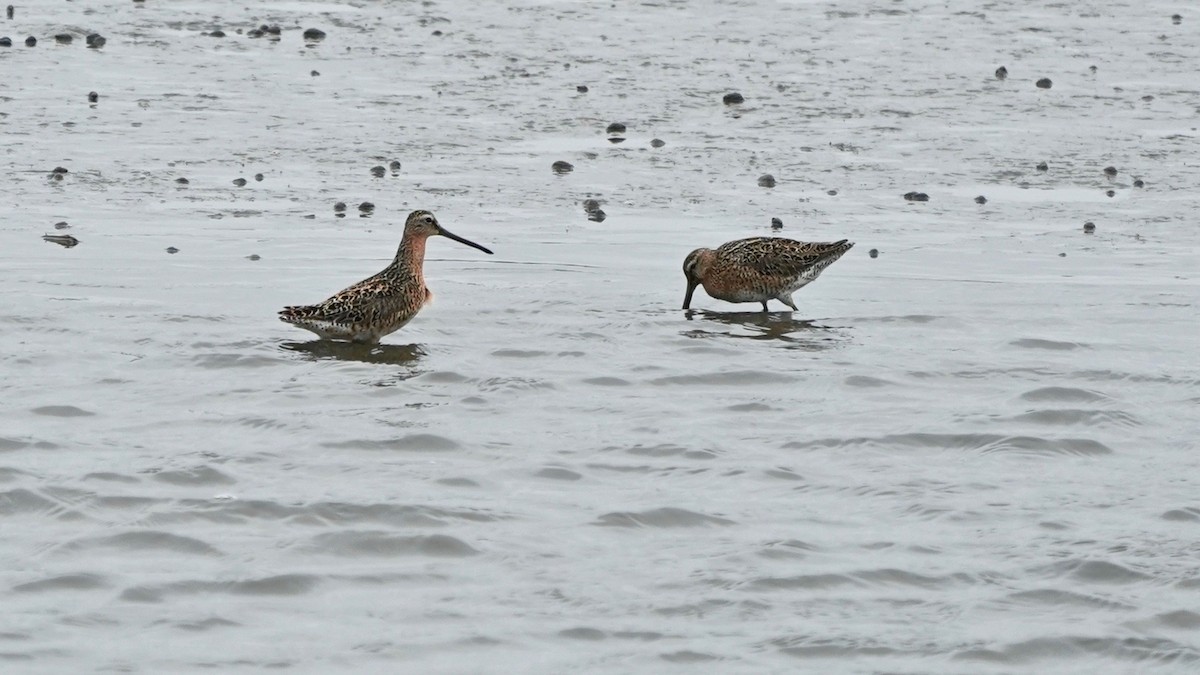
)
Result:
{"points": [[182, 181], [1042, 166], [61, 225], [1089, 227], [1044, 83], [874, 253], [378, 171], [831, 193], [616, 139], [93, 97], [1139, 183], [916, 197], [315, 74], [733, 98], [597, 216], [981, 199], [766, 180], [314, 34], [172, 250], [1175, 18], [562, 167], [239, 182], [616, 128], [1110, 171], [254, 256], [1111, 193], [657, 142], [590, 205], [60, 169], [339, 207], [582, 88], [1001, 73], [5, 42], [64, 38], [776, 224], [216, 33], [96, 41], [10, 12], [30, 41], [258, 177], [366, 207], [394, 165]]}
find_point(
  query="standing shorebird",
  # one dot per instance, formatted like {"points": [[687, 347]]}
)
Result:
{"points": [[383, 303], [759, 268]]}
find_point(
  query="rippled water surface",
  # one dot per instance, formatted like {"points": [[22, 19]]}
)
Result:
{"points": [[974, 453]]}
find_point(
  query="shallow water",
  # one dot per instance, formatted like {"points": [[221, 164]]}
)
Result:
{"points": [[975, 453]]}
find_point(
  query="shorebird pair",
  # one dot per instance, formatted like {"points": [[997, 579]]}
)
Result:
{"points": [[757, 269]]}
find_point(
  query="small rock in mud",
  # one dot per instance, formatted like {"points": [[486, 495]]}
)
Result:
{"points": [[1089, 227], [590, 205], [562, 167], [254, 256], [733, 98], [1042, 166], [182, 181], [582, 88], [657, 143], [1139, 183], [874, 253], [366, 207], [172, 250], [1111, 193], [60, 169], [93, 97], [981, 199], [10, 12], [776, 224], [831, 193], [394, 165], [258, 177], [616, 128], [616, 139], [96, 41], [30, 41], [378, 171], [1001, 73], [1175, 18], [216, 33], [315, 74], [64, 38], [1044, 83], [1110, 171], [916, 197], [766, 180], [597, 216], [240, 182], [314, 34], [339, 207], [62, 225], [5, 41]]}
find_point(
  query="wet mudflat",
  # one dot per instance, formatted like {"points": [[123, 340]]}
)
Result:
{"points": [[972, 452]]}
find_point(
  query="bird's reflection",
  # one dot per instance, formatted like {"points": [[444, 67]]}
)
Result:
{"points": [[804, 334], [398, 355]]}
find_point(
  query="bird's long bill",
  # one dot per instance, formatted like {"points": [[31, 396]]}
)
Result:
{"points": [[450, 235], [687, 299]]}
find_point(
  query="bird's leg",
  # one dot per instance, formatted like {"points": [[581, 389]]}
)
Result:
{"points": [[764, 302]]}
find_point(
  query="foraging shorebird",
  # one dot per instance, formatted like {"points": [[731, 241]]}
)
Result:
{"points": [[759, 268], [383, 303]]}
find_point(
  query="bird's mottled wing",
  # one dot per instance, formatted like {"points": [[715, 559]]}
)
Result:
{"points": [[778, 256], [367, 302]]}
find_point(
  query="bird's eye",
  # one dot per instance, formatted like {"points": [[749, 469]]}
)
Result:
{"points": [[428, 220]]}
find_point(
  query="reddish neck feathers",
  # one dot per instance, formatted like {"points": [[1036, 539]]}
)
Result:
{"points": [[412, 251]]}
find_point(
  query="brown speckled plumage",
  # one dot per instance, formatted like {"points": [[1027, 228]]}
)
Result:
{"points": [[383, 303], [759, 269]]}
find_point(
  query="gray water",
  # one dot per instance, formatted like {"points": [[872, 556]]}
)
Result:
{"points": [[975, 453]]}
